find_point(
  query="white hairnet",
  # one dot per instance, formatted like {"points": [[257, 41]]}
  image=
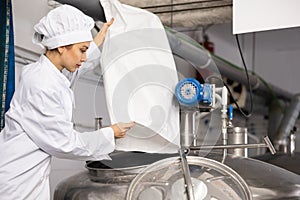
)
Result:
{"points": [[62, 26]]}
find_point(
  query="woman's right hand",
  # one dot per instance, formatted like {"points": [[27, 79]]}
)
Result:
{"points": [[121, 128], [100, 37]]}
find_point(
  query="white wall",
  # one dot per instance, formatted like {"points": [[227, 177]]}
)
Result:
{"points": [[276, 53], [26, 14], [257, 15]]}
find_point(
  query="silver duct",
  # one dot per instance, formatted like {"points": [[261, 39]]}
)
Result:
{"points": [[288, 122], [201, 59]]}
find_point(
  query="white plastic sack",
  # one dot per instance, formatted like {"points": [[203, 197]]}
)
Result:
{"points": [[140, 76]]}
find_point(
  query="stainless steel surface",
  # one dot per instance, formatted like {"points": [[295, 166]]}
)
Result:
{"points": [[266, 181], [200, 189], [107, 179], [290, 162], [186, 174], [82, 187]]}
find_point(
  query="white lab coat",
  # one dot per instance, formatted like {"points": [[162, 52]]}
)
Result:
{"points": [[37, 126]]}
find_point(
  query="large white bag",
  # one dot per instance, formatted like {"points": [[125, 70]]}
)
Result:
{"points": [[140, 76]]}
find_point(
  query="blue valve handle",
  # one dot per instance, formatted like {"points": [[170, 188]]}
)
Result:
{"points": [[230, 112]]}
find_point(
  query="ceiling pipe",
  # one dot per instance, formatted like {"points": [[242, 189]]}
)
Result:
{"points": [[213, 11], [190, 9], [179, 4], [187, 6]]}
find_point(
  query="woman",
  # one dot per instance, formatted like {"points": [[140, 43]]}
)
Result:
{"points": [[38, 124]]}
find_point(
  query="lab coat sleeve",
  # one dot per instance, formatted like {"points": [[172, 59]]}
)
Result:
{"points": [[44, 120], [93, 60]]}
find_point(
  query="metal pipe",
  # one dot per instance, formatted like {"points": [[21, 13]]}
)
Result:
{"points": [[194, 129], [187, 128], [292, 144], [267, 144], [186, 174], [229, 146], [195, 8], [179, 4], [224, 121]]}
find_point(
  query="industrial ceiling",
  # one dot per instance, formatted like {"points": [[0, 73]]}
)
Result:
{"points": [[173, 13], [187, 13]]}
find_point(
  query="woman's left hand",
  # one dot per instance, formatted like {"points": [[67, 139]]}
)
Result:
{"points": [[99, 38], [120, 128]]}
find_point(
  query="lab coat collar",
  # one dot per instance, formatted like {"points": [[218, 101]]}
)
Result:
{"points": [[60, 76]]}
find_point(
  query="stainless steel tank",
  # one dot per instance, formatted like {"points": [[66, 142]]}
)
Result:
{"points": [[105, 180]]}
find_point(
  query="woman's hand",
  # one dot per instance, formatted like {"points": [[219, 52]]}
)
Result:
{"points": [[121, 128], [99, 38]]}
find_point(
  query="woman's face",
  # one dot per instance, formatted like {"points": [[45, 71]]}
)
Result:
{"points": [[74, 55]]}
